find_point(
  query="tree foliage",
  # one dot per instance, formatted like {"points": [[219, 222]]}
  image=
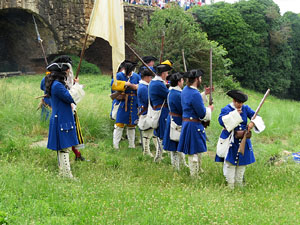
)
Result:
{"points": [[181, 32], [256, 38]]}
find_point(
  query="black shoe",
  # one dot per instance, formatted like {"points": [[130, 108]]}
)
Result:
{"points": [[79, 158]]}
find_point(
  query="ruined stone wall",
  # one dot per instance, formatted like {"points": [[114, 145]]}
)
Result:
{"points": [[62, 25], [69, 18]]}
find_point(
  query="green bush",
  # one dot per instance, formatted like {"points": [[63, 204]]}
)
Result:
{"points": [[85, 67], [228, 83], [3, 218]]}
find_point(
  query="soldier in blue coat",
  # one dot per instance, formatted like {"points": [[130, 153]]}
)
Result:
{"points": [[143, 101], [45, 103], [62, 130], [193, 138], [175, 115], [158, 93], [70, 84], [233, 118], [127, 113]]}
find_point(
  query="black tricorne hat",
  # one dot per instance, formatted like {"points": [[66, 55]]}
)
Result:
{"points": [[63, 59], [148, 59], [129, 66], [174, 78], [145, 72], [237, 95], [58, 67], [163, 68], [193, 73]]}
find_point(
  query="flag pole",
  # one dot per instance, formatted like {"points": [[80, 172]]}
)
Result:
{"points": [[81, 55]]}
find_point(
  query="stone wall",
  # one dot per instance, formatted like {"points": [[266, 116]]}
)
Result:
{"points": [[62, 25]]}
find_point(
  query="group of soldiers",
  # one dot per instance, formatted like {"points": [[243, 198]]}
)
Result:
{"points": [[182, 117], [155, 100]]}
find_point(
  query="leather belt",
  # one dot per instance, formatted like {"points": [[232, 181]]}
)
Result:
{"points": [[159, 106], [174, 114], [191, 120]]}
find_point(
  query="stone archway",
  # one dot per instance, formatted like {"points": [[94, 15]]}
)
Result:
{"points": [[19, 48], [100, 52]]}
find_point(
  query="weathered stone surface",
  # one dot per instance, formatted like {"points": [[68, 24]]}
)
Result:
{"points": [[68, 17], [66, 22]]}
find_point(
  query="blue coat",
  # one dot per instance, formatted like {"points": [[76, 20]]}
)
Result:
{"points": [[131, 115], [43, 88], [142, 95], [233, 156], [62, 129], [158, 94], [174, 101], [193, 137]]}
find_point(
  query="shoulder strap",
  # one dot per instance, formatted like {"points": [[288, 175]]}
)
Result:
{"points": [[168, 98]]}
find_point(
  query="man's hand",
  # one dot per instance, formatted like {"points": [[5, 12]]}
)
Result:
{"points": [[76, 80], [211, 107], [132, 86], [250, 126]]}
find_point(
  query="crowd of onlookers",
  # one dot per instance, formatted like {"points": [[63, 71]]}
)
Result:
{"points": [[186, 4]]}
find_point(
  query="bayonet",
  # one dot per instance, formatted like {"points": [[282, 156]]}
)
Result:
{"points": [[40, 40]]}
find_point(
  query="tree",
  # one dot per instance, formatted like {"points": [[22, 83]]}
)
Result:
{"points": [[255, 37], [181, 32], [294, 43]]}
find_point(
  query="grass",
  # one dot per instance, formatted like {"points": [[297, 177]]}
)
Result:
{"points": [[124, 187]]}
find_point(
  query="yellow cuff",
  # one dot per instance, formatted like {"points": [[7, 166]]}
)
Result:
{"points": [[118, 85]]}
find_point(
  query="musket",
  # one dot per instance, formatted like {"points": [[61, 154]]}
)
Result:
{"points": [[207, 123], [210, 77], [40, 40], [81, 55], [243, 142], [131, 49], [183, 59], [162, 47]]}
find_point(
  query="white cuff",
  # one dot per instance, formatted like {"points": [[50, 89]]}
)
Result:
{"points": [[207, 115], [204, 97], [77, 92], [232, 120], [259, 124]]}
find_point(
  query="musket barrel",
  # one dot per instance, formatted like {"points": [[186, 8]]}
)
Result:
{"points": [[162, 47], [260, 104], [142, 61], [183, 58], [210, 77]]}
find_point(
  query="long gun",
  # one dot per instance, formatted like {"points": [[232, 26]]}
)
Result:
{"points": [[81, 55], [162, 47], [243, 142], [210, 77], [183, 59], [207, 123], [40, 40], [131, 49]]}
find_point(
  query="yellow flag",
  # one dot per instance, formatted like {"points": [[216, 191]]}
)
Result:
{"points": [[107, 22]]}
